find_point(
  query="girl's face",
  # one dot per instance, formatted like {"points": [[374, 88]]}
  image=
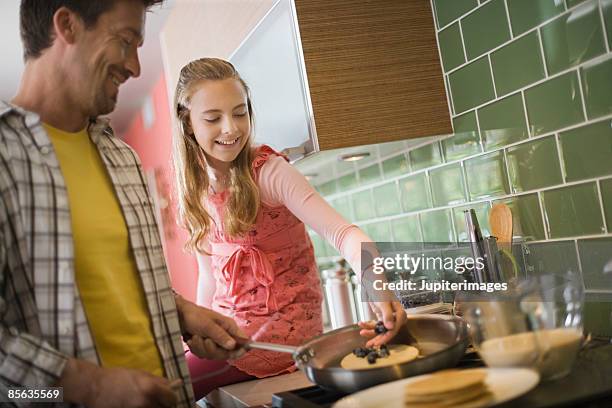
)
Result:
{"points": [[220, 120]]}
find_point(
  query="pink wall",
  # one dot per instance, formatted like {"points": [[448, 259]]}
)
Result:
{"points": [[154, 146]]}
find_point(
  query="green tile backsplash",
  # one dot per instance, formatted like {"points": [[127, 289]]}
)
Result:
{"points": [[573, 211], [447, 185], [503, 122], [532, 114], [449, 10], [386, 200], [587, 151], [414, 192], [526, 14], [451, 47], [597, 87], [490, 19], [534, 165], [486, 176], [466, 140], [595, 256], [472, 85], [554, 104], [606, 7], [574, 37], [517, 64]]}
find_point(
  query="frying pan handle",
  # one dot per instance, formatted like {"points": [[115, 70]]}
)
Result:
{"points": [[281, 348], [301, 355]]}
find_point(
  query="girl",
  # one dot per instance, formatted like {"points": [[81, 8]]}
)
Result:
{"points": [[245, 208]]}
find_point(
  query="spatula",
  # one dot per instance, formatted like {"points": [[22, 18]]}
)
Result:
{"points": [[500, 220]]}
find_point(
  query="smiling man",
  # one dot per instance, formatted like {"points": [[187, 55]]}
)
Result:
{"points": [[85, 297]]}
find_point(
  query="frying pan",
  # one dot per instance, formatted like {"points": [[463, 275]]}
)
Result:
{"points": [[441, 340]]}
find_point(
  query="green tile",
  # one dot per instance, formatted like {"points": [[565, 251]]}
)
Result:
{"points": [[447, 185], [482, 214], [606, 7], [449, 10], [414, 193], [318, 245], [598, 317], [486, 176], [490, 19], [597, 87], [466, 141], [395, 166], [554, 104], [451, 47], [391, 148], [517, 64], [572, 38], [534, 165], [572, 3], [379, 232], [587, 151], [503, 122], [369, 175], [347, 182], [557, 257], [343, 206], [386, 200], [437, 226], [596, 258], [526, 14], [328, 188], [363, 206], [407, 229], [527, 221], [573, 211], [606, 196], [472, 85], [342, 167], [425, 156]]}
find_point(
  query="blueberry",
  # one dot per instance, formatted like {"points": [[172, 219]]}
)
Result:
{"points": [[360, 352], [380, 328], [383, 351], [372, 357]]}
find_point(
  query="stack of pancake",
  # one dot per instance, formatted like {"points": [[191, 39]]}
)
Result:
{"points": [[449, 388]]}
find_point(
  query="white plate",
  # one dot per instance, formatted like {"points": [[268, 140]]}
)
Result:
{"points": [[504, 383]]}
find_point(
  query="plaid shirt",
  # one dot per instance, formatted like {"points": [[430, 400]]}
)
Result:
{"points": [[42, 320]]}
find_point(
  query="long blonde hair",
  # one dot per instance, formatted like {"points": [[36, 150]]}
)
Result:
{"points": [[190, 162]]}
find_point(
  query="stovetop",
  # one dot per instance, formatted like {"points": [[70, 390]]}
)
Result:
{"points": [[588, 385]]}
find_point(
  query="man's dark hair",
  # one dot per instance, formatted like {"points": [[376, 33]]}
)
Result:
{"points": [[36, 19]]}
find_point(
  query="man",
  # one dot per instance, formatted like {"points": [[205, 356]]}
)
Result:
{"points": [[85, 299]]}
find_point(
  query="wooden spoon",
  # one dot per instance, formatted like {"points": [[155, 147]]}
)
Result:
{"points": [[500, 220]]}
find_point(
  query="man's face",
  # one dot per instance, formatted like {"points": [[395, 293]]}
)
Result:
{"points": [[107, 55]]}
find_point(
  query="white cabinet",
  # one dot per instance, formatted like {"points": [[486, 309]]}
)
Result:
{"points": [[269, 60]]}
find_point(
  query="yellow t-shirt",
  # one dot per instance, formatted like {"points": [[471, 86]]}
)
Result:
{"points": [[106, 273]]}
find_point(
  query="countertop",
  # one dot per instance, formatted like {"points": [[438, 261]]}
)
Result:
{"points": [[256, 392]]}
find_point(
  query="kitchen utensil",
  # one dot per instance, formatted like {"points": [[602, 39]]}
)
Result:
{"points": [[500, 221], [441, 341], [504, 384]]}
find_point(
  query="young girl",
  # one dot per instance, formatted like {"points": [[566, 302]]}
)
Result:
{"points": [[245, 208]]}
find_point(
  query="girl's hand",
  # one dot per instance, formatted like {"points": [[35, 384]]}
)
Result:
{"points": [[393, 316]]}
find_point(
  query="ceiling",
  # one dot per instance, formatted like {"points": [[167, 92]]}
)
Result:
{"points": [[131, 96]]}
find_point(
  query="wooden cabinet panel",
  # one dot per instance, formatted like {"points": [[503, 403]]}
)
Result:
{"points": [[373, 70]]}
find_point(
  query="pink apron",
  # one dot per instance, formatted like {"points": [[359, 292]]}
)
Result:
{"points": [[267, 281]]}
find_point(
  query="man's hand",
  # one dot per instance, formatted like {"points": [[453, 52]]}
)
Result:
{"points": [[393, 316], [96, 387], [213, 336]]}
